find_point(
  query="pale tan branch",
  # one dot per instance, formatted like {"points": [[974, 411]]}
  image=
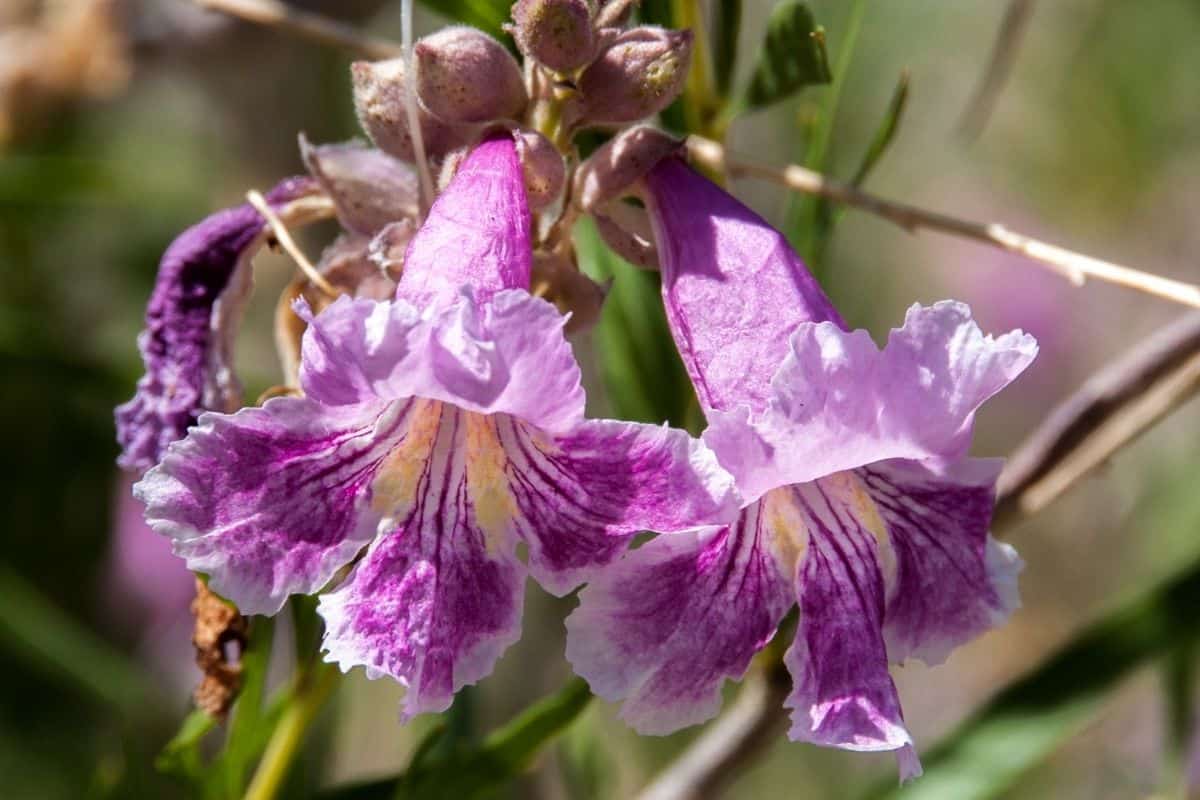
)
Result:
{"points": [[284, 237], [275, 14], [1073, 266]]}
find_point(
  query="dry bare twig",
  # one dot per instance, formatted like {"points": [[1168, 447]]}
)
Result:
{"points": [[284, 237], [1073, 266], [1109, 410]]}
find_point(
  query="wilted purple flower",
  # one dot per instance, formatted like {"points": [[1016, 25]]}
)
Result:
{"points": [[860, 502], [437, 430], [191, 319]]}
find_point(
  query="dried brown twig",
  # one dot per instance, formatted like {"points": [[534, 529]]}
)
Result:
{"points": [[1073, 266]]}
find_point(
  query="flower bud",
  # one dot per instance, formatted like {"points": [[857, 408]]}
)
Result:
{"points": [[556, 33], [368, 187], [637, 75], [464, 75], [559, 278], [619, 163], [380, 104], [543, 168]]}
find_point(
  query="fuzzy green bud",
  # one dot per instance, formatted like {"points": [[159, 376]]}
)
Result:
{"points": [[466, 76], [640, 72], [556, 33]]}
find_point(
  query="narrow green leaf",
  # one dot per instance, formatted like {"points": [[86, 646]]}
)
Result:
{"points": [[502, 756], [1180, 670], [826, 215], [1028, 720], [516, 744], [34, 631], [252, 721], [726, 25], [793, 56], [181, 756], [487, 15], [886, 130], [642, 370]]}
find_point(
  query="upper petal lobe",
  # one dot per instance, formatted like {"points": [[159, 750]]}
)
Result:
{"points": [[839, 402]]}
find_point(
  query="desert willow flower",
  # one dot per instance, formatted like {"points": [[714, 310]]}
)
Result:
{"points": [[436, 430], [859, 502]]}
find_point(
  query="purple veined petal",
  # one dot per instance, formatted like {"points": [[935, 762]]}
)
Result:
{"points": [[191, 319], [368, 187], [665, 626], [272, 501], [734, 289], [477, 233], [951, 580], [843, 695], [580, 497], [438, 596], [506, 356], [839, 402]]}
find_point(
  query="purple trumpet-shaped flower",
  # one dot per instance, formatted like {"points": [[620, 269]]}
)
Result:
{"points": [[191, 319], [437, 431], [859, 502]]}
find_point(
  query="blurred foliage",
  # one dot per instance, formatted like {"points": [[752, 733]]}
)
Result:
{"points": [[473, 772], [1099, 132]]}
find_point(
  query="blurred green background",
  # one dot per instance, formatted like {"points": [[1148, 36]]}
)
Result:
{"points": [[122, 129]]}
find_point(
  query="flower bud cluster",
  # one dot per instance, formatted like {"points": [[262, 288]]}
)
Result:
{"points": [[583, 68]]}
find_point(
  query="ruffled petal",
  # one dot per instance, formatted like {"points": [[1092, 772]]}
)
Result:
{"points": [[665, 626], [477, 233], [843, 695], [734, 289], [272, 501], [506, 356], [580, 497], [437, 599], [191, 318], [839, 402], [952, 580]]}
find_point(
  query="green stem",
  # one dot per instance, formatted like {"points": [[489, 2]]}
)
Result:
{"points": [[701, 101], [314, 689], [805, 213]]}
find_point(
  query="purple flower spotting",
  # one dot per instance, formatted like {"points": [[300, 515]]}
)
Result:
{"points": [[859, 502], [437, 431], [191, 319]]}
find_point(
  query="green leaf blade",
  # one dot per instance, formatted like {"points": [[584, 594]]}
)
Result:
{"points": [[793, 56]]}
